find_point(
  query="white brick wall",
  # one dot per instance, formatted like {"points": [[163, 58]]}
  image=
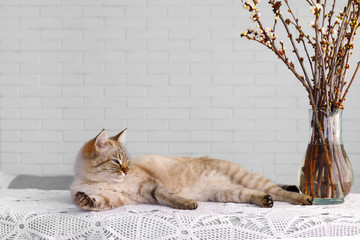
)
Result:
{"points": [[175, 73]]}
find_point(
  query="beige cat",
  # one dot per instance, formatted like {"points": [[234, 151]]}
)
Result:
{"points": [[105, 178]]}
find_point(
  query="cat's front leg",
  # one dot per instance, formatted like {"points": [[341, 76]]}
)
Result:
{"points": [[83, 201], [166, 197], [96, 202]]}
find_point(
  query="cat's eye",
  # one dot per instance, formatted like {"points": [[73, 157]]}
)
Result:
{"points": [[116, 162]]}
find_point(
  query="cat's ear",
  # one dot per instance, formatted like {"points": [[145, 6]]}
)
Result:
{"points": [[121, 137], [100, 140]]}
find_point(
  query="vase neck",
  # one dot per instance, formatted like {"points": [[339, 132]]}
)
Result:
{"points": [[327, 124]]}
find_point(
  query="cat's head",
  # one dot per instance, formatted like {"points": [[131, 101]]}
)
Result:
{"points": [[103, 158]]}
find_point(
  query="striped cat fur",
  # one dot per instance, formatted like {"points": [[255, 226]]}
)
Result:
{"points": [[105, 178]]}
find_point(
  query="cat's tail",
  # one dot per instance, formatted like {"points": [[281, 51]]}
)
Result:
{"points": [[290, 188]]}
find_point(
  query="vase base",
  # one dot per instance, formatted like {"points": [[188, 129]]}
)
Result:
{"points": [[327, 201]]}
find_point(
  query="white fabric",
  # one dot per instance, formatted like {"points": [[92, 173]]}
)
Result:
{"points": [[41, 214], [5, 179]]}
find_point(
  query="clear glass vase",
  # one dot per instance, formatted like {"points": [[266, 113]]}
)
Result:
{"points": [[326, 172]]}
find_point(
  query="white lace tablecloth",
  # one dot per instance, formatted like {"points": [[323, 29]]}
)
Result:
{"points": [[39, 214]]}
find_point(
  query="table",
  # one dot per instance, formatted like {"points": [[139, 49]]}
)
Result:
{"points": [[44, 214]]}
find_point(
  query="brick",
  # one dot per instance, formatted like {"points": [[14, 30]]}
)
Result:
{"points": [[83, 2], [190, 125], [147, 102], [126, 45], [188, 56], [60, 57], [63, 34], [104, 80], [174, 68], [61, 102], [143, 11], [210, 114], [187, 11], [167, 22], [48, 158], [211, 22], [189, 148], [212, 91], [128, 22], [40, 45], [82, 91], [168, 136], [83, 114], [148, 125], [191, 79], [9, 113], [235, 125], [21, 147], [21, 168], [101, 102], [189, 34], [233, 147], [146, 57], [42, 23], [9, 23], [61, 80], [98, 125], [186, 102], [43, 136], [61, 11], [125, 68], [61, 147], [168, 114], [16, 102], [168, 45], [260, 113], [19, 34], [39, 2], [167, 91], [233, 102], [61, 124], [19, 12], [255, 137], [82, 23], [103, 11], [206, 136], [212, 45], [40, 68], [202, 68], [81, 45], [18, 57], [147, 148], [82, 68], [9, 45], [9, 135], [124, 114], [104, 34], [40, 113]]}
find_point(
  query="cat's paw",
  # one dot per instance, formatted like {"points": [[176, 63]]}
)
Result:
{"points": [[305, 200], [267, 202], [83, 201], [188, 205], [263, 200]]}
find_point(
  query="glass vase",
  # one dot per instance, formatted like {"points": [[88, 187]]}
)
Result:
{"points": [[326, 172]]}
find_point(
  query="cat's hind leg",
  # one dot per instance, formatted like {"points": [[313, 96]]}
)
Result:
{"points": [[240, 194], [164, 196]]}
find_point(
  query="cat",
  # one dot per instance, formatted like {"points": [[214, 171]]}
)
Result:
{"points": [[105, 178]]}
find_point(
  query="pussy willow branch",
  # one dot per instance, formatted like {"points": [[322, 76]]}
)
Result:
{"points": [[351, 81], [301, 35], [296, 51]]}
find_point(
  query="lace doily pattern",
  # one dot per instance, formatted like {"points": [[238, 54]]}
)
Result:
{"points": [[38, 214]]}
